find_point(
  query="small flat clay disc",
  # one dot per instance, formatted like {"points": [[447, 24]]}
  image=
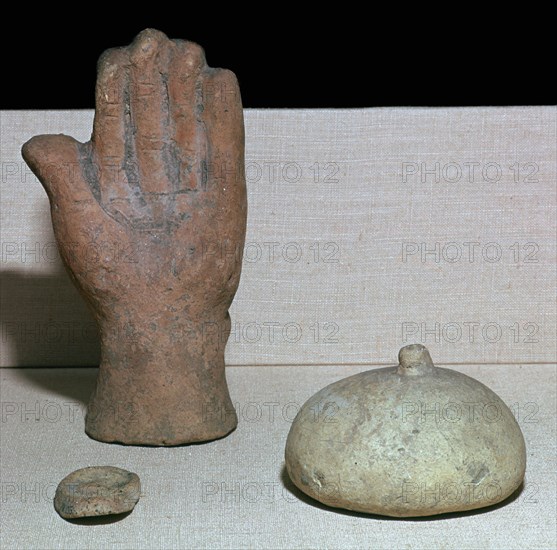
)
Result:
{"points": [[97, 491]]}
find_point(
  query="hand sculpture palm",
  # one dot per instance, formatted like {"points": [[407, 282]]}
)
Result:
{"points": [[161, 181]]}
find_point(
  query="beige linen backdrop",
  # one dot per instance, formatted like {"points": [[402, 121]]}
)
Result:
{"points": [[368, 229]]}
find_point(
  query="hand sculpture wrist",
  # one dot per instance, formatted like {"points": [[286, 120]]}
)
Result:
{"points": [[162, 176]]}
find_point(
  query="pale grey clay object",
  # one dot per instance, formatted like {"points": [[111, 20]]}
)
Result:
{"points": [[411, 440], [97, 491]]}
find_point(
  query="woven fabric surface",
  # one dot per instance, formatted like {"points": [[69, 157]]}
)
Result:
{"points": [[235, 493], [368, 229]]}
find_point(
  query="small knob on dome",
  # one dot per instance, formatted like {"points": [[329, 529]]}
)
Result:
{"points": [[414, 359]]}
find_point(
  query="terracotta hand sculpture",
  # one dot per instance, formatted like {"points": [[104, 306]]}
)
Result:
{"points": [[162, 182]]}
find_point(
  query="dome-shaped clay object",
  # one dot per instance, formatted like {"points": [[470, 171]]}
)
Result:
{"points": [[412, 440]]}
